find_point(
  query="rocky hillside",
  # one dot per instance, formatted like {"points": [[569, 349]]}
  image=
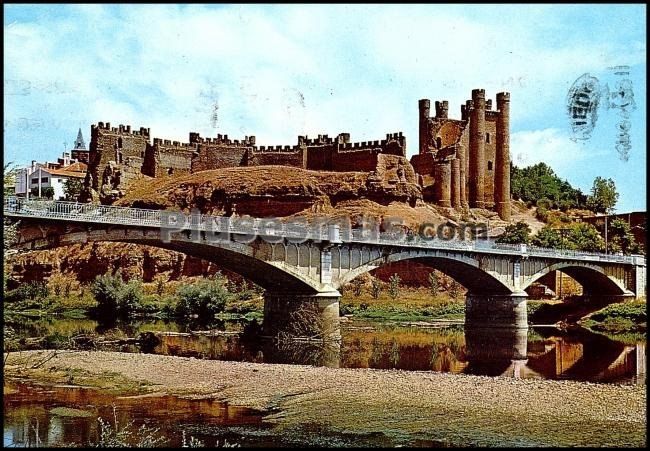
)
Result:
{"points": [[84, 262]]}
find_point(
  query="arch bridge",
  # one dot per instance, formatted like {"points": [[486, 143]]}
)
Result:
{"points": [[298, 266]]}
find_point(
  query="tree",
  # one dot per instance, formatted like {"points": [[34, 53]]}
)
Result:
{"points": [[393, 286], [540, 182], [10, 171], [47, 192], [72, 188], [357, 286], [547, 237], [375, 289], [9, 227], [620, 238], [584, 237], [603, 196], [433, 283], [518, 233], [455, 289]]}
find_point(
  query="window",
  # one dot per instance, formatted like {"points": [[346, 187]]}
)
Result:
{"points": [[44, 179], [35, 181], [489, 165], [487, 137]]}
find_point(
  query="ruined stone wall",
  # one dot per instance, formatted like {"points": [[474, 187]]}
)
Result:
{"points": [[279, 155], [218, 156], [358, 160], [364, 156], [423, 164], [220, 152], [165, 157]]}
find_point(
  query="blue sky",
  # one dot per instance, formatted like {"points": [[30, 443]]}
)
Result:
{"points": [[280, 71]]}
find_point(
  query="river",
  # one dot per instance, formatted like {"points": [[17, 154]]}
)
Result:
{"points": [[539, 353]]}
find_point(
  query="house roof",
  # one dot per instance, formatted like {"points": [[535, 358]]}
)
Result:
{"points": [[78, 170]]}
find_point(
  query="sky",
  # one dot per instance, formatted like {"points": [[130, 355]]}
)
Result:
{"points": [[279, 71]]}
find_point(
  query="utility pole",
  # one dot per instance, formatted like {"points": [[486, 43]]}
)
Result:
{"points": [[606, 216]]}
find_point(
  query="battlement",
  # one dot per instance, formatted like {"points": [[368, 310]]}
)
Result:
{"points": [[222, 140], [122, 129], [322, 140], [169, 143], [365, 145], [478, 94], [267, 149]]}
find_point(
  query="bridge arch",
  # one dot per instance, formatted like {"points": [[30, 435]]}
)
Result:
{"points": [[272, 274], [593, 278], [465, 270]]}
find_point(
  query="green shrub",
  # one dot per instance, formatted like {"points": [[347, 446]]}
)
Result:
{"points": [[116, 297], [28, 292], [204, 298]]}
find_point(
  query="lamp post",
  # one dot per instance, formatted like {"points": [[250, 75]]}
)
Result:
{"points": [[562, 231]]}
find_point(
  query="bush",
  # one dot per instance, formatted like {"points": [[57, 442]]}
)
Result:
{"points": [[114, 296], [28, 291], [205, 298]]}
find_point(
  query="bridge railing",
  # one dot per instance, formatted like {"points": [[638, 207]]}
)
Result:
{"points": [[108, 214]]}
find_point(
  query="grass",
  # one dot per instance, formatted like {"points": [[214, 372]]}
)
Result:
{"points": [[620, 318], [411, 305]]}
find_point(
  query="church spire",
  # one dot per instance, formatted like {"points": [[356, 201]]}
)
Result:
{"points": [[79, 142]]}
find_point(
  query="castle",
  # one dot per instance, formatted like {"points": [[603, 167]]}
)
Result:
{"points": [[466, 162], [461, 163]]}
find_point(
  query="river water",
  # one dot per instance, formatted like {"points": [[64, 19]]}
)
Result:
{"points": [[540, 353]]}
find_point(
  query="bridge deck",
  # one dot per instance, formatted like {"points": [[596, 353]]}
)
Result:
{"points": [[138, 217]]}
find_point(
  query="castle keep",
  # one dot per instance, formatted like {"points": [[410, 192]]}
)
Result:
{"points": [[466, 162], [461, 163]]}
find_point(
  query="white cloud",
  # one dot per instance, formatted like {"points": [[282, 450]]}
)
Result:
{"points": [[280, 71], [551, 146]]}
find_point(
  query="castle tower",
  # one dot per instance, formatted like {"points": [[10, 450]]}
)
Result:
{"points": [[455, 183], [425, 110], [442, 109], [477, 150], [442, 186], [502, 159]]}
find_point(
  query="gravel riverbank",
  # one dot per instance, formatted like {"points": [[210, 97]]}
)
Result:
{"points": [[456, 409]]}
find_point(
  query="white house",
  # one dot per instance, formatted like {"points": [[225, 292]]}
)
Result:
{"points": [[39, 177]]}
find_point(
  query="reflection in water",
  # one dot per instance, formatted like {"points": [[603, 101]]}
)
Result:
{"points": [[544, 353], [30, 421], [496, 352], [547, 353]]}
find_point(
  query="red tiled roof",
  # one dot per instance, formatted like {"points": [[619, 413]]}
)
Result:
{"points": [[74, 170]]}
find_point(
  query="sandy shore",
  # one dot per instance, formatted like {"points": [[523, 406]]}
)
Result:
{"points": [[458, 409]]}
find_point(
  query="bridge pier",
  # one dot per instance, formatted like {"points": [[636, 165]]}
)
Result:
{"points": [[302, 315], [496, 311]]}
